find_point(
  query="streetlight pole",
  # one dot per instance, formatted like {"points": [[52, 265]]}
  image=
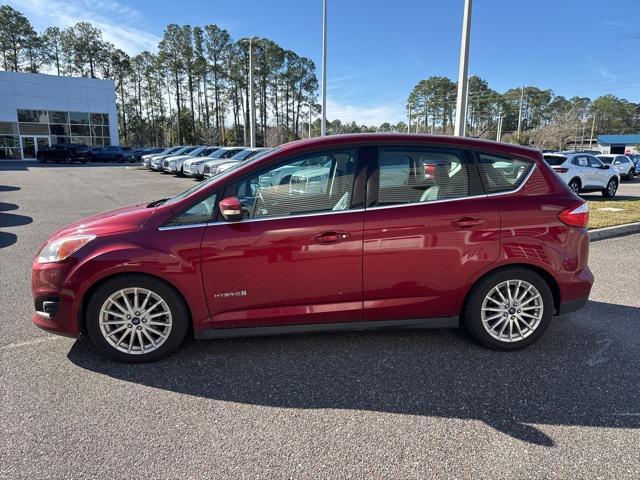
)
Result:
{"points": [[252, 103], [461, 103], [323, 124]]}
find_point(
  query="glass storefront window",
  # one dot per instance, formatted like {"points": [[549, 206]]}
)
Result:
{"points": [[59, 129], [83, 140], [33, 129], [59, 117], [9, 141], [33, 116], [8, 128], [80, 130], [60, 140], [100, 119], [10, 153], [79, 118]]}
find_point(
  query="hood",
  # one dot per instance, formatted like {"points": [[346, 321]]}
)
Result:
{"points": [[121, 219]]}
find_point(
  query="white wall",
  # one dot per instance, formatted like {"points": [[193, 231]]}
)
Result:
{"points": [[36, 91]]}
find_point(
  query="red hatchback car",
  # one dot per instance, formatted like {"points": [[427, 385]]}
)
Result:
{"points": [[333, 233]]}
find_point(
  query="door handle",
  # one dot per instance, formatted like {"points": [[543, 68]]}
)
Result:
{"points": [[331, 237], [468, 222]]}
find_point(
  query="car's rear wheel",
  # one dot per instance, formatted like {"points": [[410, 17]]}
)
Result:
{"points": [[68, 159], [509, 309], [119, 158], [611, 189], [41, 159], [136, 318], [574, 185]]}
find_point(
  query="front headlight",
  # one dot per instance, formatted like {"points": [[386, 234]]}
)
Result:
{"points": [[62, 248]]}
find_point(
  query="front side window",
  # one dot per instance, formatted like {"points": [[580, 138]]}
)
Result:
{"points": [[320, 182], [595, 163], [198, 214], [502, 174], [418, 175]]}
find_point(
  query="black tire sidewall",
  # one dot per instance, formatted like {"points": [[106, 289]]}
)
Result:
{"points": [[472, 309], [576, 182], [605, 192], [179, 314]]}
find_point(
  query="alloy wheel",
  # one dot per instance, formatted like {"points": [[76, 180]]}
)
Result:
{"points": [[512, 310], [574, 187], [612, 187], [135, 320]]}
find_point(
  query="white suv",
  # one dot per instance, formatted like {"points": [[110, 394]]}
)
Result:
{"points": [[584, 172], [621, 163]]}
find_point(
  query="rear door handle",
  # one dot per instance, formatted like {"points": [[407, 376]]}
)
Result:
{"points": [[468, 222], [331, 237]]}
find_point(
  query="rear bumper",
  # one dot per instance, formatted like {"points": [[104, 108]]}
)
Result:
{"points": [[572, 306]]}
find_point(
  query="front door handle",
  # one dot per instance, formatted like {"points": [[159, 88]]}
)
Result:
{"points": [[468, 222], [327, 238]]}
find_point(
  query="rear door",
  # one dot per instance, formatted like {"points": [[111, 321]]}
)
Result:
{"points": [[599, 174], [427, 231]]}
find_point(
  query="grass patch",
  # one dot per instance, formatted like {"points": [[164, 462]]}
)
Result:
{"points": [[599, 218]]}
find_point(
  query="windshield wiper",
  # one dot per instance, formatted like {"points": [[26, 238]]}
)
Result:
{"points": [[155, 203]]}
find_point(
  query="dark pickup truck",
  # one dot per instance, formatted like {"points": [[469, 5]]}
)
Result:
{"points": [[112, 154], [68, 153]]}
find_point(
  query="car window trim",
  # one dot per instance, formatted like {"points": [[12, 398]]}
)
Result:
{"points": [[534, 164]]}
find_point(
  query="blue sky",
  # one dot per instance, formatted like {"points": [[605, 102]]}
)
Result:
{"points": [[378, 50]]}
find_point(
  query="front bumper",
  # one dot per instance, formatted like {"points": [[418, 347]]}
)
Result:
{"points": [[55, 300]]}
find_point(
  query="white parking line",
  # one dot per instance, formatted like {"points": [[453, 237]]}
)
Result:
{"points": [[36, 341]]}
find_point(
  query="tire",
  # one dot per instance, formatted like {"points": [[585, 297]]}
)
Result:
{"points": [[539, 306], [68, 159], [631, 174], [174, 323], [41, 159], [610, 190], [575, 185], [119, 159]]}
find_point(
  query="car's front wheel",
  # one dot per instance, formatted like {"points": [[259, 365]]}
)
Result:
{"points": [[509, 309], [611, 189], [136, 318]]}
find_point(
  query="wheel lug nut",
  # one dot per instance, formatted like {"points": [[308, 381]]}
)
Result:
{"points": [[139, 327], [129, 326], [513, 318], [144, 320], [137, 313], [128, 317], [518, 310]]}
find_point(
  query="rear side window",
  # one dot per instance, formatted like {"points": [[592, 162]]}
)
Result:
{"points": [[502, 174], [554, 160], [419, 175]]}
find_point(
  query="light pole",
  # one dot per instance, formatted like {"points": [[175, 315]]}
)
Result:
{"points": [[252, 103], [461, 103], [323, 124]]}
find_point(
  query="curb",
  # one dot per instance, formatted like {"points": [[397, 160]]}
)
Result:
{"points": [[612, 232]]}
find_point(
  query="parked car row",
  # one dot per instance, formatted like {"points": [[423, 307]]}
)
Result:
{"points": [[586, 172], [198, 161]]}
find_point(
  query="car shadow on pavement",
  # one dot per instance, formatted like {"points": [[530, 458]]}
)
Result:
{"points": [[10, 219], [583, 372]]}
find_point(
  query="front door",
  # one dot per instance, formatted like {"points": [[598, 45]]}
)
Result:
{"points": [[296, 257], [31, 145], [427, 232]]}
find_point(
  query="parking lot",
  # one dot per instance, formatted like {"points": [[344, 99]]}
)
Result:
{"points": [[396, 404]]}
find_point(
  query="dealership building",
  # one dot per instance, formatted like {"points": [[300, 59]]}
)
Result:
{"points": [[38, 110]]}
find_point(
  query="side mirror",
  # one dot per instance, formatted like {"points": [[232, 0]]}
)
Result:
{"points": [[607, 167], [231, 209]]}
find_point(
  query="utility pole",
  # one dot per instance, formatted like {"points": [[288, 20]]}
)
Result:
{"points": [[409, 126], [309, 120], [323, 125], [461, 104], [593, 128], [252, 102], [499, 132], [520, 111]]}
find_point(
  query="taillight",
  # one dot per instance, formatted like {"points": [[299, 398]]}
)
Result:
{"points": [[575, 216], [561, 169]]}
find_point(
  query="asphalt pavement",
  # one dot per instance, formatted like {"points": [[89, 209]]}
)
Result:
{"points": [[394, 404]]}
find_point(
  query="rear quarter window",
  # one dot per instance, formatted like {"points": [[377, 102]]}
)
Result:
{"points": [[501, 173], [554, 160]]}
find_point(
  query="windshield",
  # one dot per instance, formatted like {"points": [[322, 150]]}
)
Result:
{"points": [[606, 160], [554, 160], [206, 152], [218, 177], [220, 153], [244, 154]]}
